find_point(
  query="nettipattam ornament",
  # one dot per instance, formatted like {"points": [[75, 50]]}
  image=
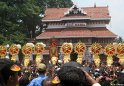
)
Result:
{"points": [[120, 49], [80, 49], [13, 50], [110, 51], [96, 48], [67, 49], [120, 52], [3, 51], [27, 51], [54, 60], [38, 49]]}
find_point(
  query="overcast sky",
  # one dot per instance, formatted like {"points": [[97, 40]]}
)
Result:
{"points": [[116, 10]]}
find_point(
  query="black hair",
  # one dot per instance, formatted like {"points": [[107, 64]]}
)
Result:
{"points": [[72, 76], [47, 82], [6, 72], [24, 80], [41, 71], [73, 56]]}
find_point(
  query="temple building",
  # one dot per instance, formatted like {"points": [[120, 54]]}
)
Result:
{"points": [[75, 24]]}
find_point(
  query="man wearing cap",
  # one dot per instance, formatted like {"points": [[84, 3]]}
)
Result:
{"points": [[41, 70], [8, 73]]}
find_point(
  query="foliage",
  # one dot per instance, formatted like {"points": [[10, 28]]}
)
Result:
{"points": [[59, 3], [2, 39], [19, 18], [119, 40], [18, 38]]}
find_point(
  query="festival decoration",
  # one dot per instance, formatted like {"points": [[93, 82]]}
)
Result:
{"points": [[79, 60], [96, 49], [19, 46], [14, 50], [80, 49], [32, 45], [38, 49], [120, 49], [27, 51], [120, 52], [67, 49], [7, 53], [3, 51], [53, 51], [110, 51], [54, 60]]}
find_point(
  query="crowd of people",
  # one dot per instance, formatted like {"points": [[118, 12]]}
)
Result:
{"points": [[68, 74]]}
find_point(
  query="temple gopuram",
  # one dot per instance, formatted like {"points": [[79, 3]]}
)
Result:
{"points": [[74, 24]]}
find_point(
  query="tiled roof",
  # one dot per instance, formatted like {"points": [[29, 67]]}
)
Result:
{"points": [[76, 32], [92, 12]]}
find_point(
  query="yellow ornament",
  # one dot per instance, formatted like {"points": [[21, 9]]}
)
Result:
{"points": [[38, 49], [67, 49], [3, 51], [96, 49], [13, 50], [54, 60], [80, 49], [120, 52], [79, 60], [27, 51], [110, 51], [120, 49]]}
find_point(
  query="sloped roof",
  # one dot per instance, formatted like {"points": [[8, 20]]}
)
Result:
{"points": [[92, 12], [76, 32]]}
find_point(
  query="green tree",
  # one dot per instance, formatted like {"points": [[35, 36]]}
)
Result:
{"points": [[54, 3], [8, 19], [119, 40], [2, 39], [29, 15], [22, 17], [18, 15]]}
